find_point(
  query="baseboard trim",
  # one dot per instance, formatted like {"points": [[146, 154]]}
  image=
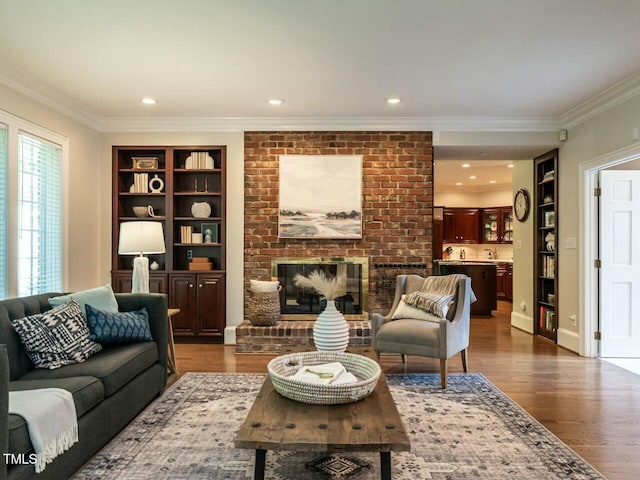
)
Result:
{"points": [[569, 340], [523, 322], [230, 335]]}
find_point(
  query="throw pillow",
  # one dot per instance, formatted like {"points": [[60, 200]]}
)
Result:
{"points": [[258, 286], [433, 303], [101, 298], [403, 310], [57, 337], [118, 327]]}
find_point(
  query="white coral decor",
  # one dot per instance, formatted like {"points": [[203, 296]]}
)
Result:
{"points": [[330, 330]]}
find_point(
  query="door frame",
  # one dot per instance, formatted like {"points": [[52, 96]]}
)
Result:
{"points": [[588, 215]]}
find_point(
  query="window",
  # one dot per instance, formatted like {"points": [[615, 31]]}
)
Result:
{"points": [[4, 210], [39, 216], [32, 240]]}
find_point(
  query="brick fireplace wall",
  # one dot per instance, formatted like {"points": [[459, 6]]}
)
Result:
{"points": [[397, 204]]}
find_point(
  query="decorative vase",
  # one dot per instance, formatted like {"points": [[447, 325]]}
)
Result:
{"points": [[331, 330], [201, 209]]}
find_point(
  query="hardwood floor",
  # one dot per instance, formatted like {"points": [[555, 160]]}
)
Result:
{"points": [[591, 405]]}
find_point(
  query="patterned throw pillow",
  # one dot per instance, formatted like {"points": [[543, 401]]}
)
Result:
{"points": [[57, 337], [403, 310], [433, 303], [119, 327]]}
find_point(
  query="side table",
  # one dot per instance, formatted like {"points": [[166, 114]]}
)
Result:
{"points": [[171, 358]]}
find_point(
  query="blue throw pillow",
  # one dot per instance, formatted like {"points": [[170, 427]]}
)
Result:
{"points": [[118, 327], [101, 298]]}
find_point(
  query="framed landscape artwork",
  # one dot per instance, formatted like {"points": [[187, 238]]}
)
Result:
{"points": [[320, 196]]}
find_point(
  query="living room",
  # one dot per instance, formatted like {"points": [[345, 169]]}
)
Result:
{"points": [[85, 89]]}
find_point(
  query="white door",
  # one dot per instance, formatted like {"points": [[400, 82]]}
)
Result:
{"points": [[620, 269]]}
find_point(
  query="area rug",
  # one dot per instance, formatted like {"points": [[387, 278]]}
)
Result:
{"points": [[471, 430]]}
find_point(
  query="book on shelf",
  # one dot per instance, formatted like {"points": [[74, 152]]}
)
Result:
{"points": [[548, 266], [547, 319]]}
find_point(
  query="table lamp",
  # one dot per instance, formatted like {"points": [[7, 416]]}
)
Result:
{"points": [[139, 238]]}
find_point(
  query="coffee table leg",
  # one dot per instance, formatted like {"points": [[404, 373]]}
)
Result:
{"points": [[258, 472], [385, 465]]}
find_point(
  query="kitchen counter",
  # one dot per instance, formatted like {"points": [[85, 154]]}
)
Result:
{"points": [[483, 281], [475, 260]]}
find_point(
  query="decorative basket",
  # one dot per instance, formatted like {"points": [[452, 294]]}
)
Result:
{"points": [[283, 367], [263, 308]]}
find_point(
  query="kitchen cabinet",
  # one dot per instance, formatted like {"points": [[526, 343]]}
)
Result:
{"points": [[461, 225], [504, 281], [497, 225], [483, 283], [201, 300]]}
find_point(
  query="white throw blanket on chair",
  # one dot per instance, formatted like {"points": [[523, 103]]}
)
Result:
{"points": [[51, 419], [444, 285]]}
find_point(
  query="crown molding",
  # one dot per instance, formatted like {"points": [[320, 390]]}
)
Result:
{"points": [[53, 100], [234, 124], [608, 98]]}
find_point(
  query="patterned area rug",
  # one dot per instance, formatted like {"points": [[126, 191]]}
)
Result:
{"points": [[469, 431]]}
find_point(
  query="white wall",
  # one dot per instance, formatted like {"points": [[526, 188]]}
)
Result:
{"points": [[85, 204], [523, 252], [235, 204], [495, 198], [605, 133]]}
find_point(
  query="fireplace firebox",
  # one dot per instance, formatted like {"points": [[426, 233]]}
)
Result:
{"points": [[303, 304]]}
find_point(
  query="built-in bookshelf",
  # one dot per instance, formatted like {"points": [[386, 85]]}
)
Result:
{"points": [[546, 240]]}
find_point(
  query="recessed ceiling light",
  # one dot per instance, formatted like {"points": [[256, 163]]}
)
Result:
{"points": [[472, 177], [458, 183], [465, 165], [276, 101], [492, 181], [483, 154], [393, 100], [510, 165], [149, 101]]}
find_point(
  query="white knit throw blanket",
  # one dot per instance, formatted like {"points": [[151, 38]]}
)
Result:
{"points": [[51, 419], [444, 285]]}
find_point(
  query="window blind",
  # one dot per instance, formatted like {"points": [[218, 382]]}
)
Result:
{"points": [[40, 238], [4, 202]]}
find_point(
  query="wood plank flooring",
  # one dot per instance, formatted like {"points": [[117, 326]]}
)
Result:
{"points": [[591, 405]]}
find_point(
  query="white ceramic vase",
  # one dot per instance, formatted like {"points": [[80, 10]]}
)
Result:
{"points": [[331, 330]]}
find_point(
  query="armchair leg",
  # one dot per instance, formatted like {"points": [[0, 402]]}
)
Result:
{"points": [[463, 354], [378, 355], [443, 373], [404, 358]]}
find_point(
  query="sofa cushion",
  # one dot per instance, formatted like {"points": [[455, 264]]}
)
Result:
{"points": [[115, 366], [118, 327], [87, 393], [57, 337], [101, 297]]}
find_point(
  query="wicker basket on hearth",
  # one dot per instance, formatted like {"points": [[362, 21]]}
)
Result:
{"points": [[263, 308]]}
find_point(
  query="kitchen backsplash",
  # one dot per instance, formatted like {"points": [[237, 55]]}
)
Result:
{"points": [[480, 251]]}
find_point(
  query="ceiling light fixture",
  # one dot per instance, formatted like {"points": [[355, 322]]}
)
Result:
{"points": [[149, 101], [465, 165], [492, 181], [510, 165], [276, 101], [393, 101], [472, 177], [458, 183]]}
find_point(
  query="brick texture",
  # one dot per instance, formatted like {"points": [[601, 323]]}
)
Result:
{"points": [[397, 204]]}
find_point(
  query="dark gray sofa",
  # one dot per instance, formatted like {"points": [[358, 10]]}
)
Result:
{"points": [[109, 389]]}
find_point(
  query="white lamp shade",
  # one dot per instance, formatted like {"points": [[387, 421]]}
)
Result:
{"points": [[141, 237]]}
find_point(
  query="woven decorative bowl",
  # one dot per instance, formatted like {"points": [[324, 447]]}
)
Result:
{"points": [[283, 367]]}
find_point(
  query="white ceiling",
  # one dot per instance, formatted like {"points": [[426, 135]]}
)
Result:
{"points": [[449, 172], [330, 58]]}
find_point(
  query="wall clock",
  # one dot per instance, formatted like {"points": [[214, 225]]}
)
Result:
{"points": [[521, 204]]}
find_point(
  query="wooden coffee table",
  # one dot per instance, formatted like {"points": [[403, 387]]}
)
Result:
{"points": [[369, 425]]}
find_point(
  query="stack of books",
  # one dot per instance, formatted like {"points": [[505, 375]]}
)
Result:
{"points": [[140, 183], [185, 233]]}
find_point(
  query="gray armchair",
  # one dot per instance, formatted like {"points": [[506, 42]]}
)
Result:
{"points": [[433, 337]]}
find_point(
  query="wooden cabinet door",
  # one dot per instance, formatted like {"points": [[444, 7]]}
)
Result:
{"points": [[501, 273], [508, 282], [468, 225], [211, 305], [449, 226], [183, 295]]}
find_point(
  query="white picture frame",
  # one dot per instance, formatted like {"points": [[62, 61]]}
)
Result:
{"points": [[320, 196]]}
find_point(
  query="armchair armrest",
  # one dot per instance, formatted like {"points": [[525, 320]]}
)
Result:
{"points": [[156, 305]]}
